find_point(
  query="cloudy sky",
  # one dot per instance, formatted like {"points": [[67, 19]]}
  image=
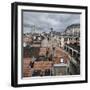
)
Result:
{"points": [[42, 21]]}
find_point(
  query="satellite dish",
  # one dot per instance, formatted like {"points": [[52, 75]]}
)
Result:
{"points": [[61, 60], [39, 38], [33, 58]]}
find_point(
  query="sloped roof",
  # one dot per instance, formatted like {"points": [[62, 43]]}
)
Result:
{"points": [[73, 26]]}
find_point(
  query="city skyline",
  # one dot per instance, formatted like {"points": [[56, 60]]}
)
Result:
{"points": [[43, 21]]}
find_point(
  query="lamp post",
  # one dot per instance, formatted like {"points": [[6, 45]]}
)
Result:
{"points": [[53, 52]]}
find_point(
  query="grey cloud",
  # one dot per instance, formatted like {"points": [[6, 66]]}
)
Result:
{"points": [[44, 21]]}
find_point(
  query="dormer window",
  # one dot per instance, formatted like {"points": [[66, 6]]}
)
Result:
{"points": [[39, 38], [34, 37], [24, 44]]}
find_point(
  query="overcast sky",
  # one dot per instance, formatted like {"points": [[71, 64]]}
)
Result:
{"points": [[44, 21]]}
